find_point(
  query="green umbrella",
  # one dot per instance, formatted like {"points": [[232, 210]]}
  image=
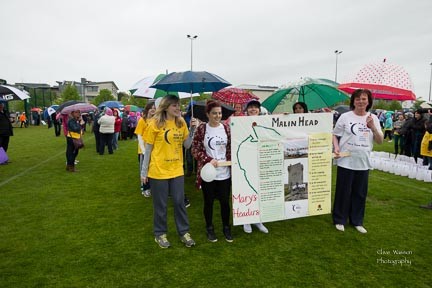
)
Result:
{"points": [[316, 93]]}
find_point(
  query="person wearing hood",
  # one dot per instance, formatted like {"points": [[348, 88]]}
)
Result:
{"points": [[106, 130]]}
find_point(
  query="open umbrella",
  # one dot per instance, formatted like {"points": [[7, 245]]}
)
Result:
{"points": [[9, 93], [111, 104], [83, 107], [50, 110], [234, 96], [66, 104], [142, 89], [199, 112], [342, 109], [191, 82], [132, 108], [384, 80], [316, 93]]}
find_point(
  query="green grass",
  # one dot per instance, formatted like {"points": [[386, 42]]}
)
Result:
{"points": [[94, 229]]}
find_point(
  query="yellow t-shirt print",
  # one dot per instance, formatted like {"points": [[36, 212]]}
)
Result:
{"points": [[166, 160]]}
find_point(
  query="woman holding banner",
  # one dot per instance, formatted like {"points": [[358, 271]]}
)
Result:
{"points": [[211, 144], [354, 133], [253, 108]]}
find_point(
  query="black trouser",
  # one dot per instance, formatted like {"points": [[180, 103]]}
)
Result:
{"points": [[4, 142], [97, 140], [105, 139], [71, 152], [389, 133], [57, 128], [350, 196], [218, 189]]}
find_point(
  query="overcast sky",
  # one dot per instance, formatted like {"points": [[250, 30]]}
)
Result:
{"points": [[268, 42]]}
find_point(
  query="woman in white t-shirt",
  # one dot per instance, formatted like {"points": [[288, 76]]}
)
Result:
{"points": [[212, 144], [354, 133]]}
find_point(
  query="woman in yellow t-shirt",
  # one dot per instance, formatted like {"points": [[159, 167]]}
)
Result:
{"points": [[165, 135]]}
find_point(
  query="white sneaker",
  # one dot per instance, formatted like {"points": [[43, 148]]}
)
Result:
{"points": [[340, 227], [261, 227], [247, 228], [146, 193], [361, 229]]}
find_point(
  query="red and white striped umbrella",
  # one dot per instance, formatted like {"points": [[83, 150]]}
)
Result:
{"points": [[384, 80], [234, 96]]}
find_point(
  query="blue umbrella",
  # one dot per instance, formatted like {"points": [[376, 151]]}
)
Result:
{"points": [[111, 104], [191, 82], [49, 111]]}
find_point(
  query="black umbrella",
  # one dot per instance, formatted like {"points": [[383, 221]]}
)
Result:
{"points": [[9, 93], [342, 109], [200, 113], [66, 104]]}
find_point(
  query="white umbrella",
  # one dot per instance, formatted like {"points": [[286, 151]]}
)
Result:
{"points": [[9, 93], [51, 110], [142, 89]]}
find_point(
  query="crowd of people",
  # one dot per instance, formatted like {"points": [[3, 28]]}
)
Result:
{"points": [[164, 137], [407, 131]]}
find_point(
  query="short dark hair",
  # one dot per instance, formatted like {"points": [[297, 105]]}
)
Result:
{"points": [[212, 104], [357, 93]]}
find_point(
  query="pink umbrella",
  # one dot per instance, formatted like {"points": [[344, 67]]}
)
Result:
{"points": [[234, 96], [82, 107], [384, 80]]}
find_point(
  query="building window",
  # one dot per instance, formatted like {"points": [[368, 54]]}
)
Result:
{"points": [[92, 88]]}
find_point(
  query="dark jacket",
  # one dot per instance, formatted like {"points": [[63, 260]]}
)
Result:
{"points": [[5, 124]]}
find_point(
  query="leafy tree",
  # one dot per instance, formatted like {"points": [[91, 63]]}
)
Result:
{"points": [[70, 93], [394, 106], [139, 101], [380, 104], [122, 95], [15, 106], [104, 95], [417, 104]]}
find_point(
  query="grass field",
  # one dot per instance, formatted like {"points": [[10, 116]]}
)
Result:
{"points": [[94, 229]]}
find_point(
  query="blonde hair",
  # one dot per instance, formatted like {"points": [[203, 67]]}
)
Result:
{"points": [[161, 114]]}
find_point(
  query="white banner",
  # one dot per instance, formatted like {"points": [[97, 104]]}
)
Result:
{"points": [[281, 166]]}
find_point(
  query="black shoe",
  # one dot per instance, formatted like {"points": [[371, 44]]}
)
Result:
{"points": [[227, 233], [211, 236], [186, 202]]}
